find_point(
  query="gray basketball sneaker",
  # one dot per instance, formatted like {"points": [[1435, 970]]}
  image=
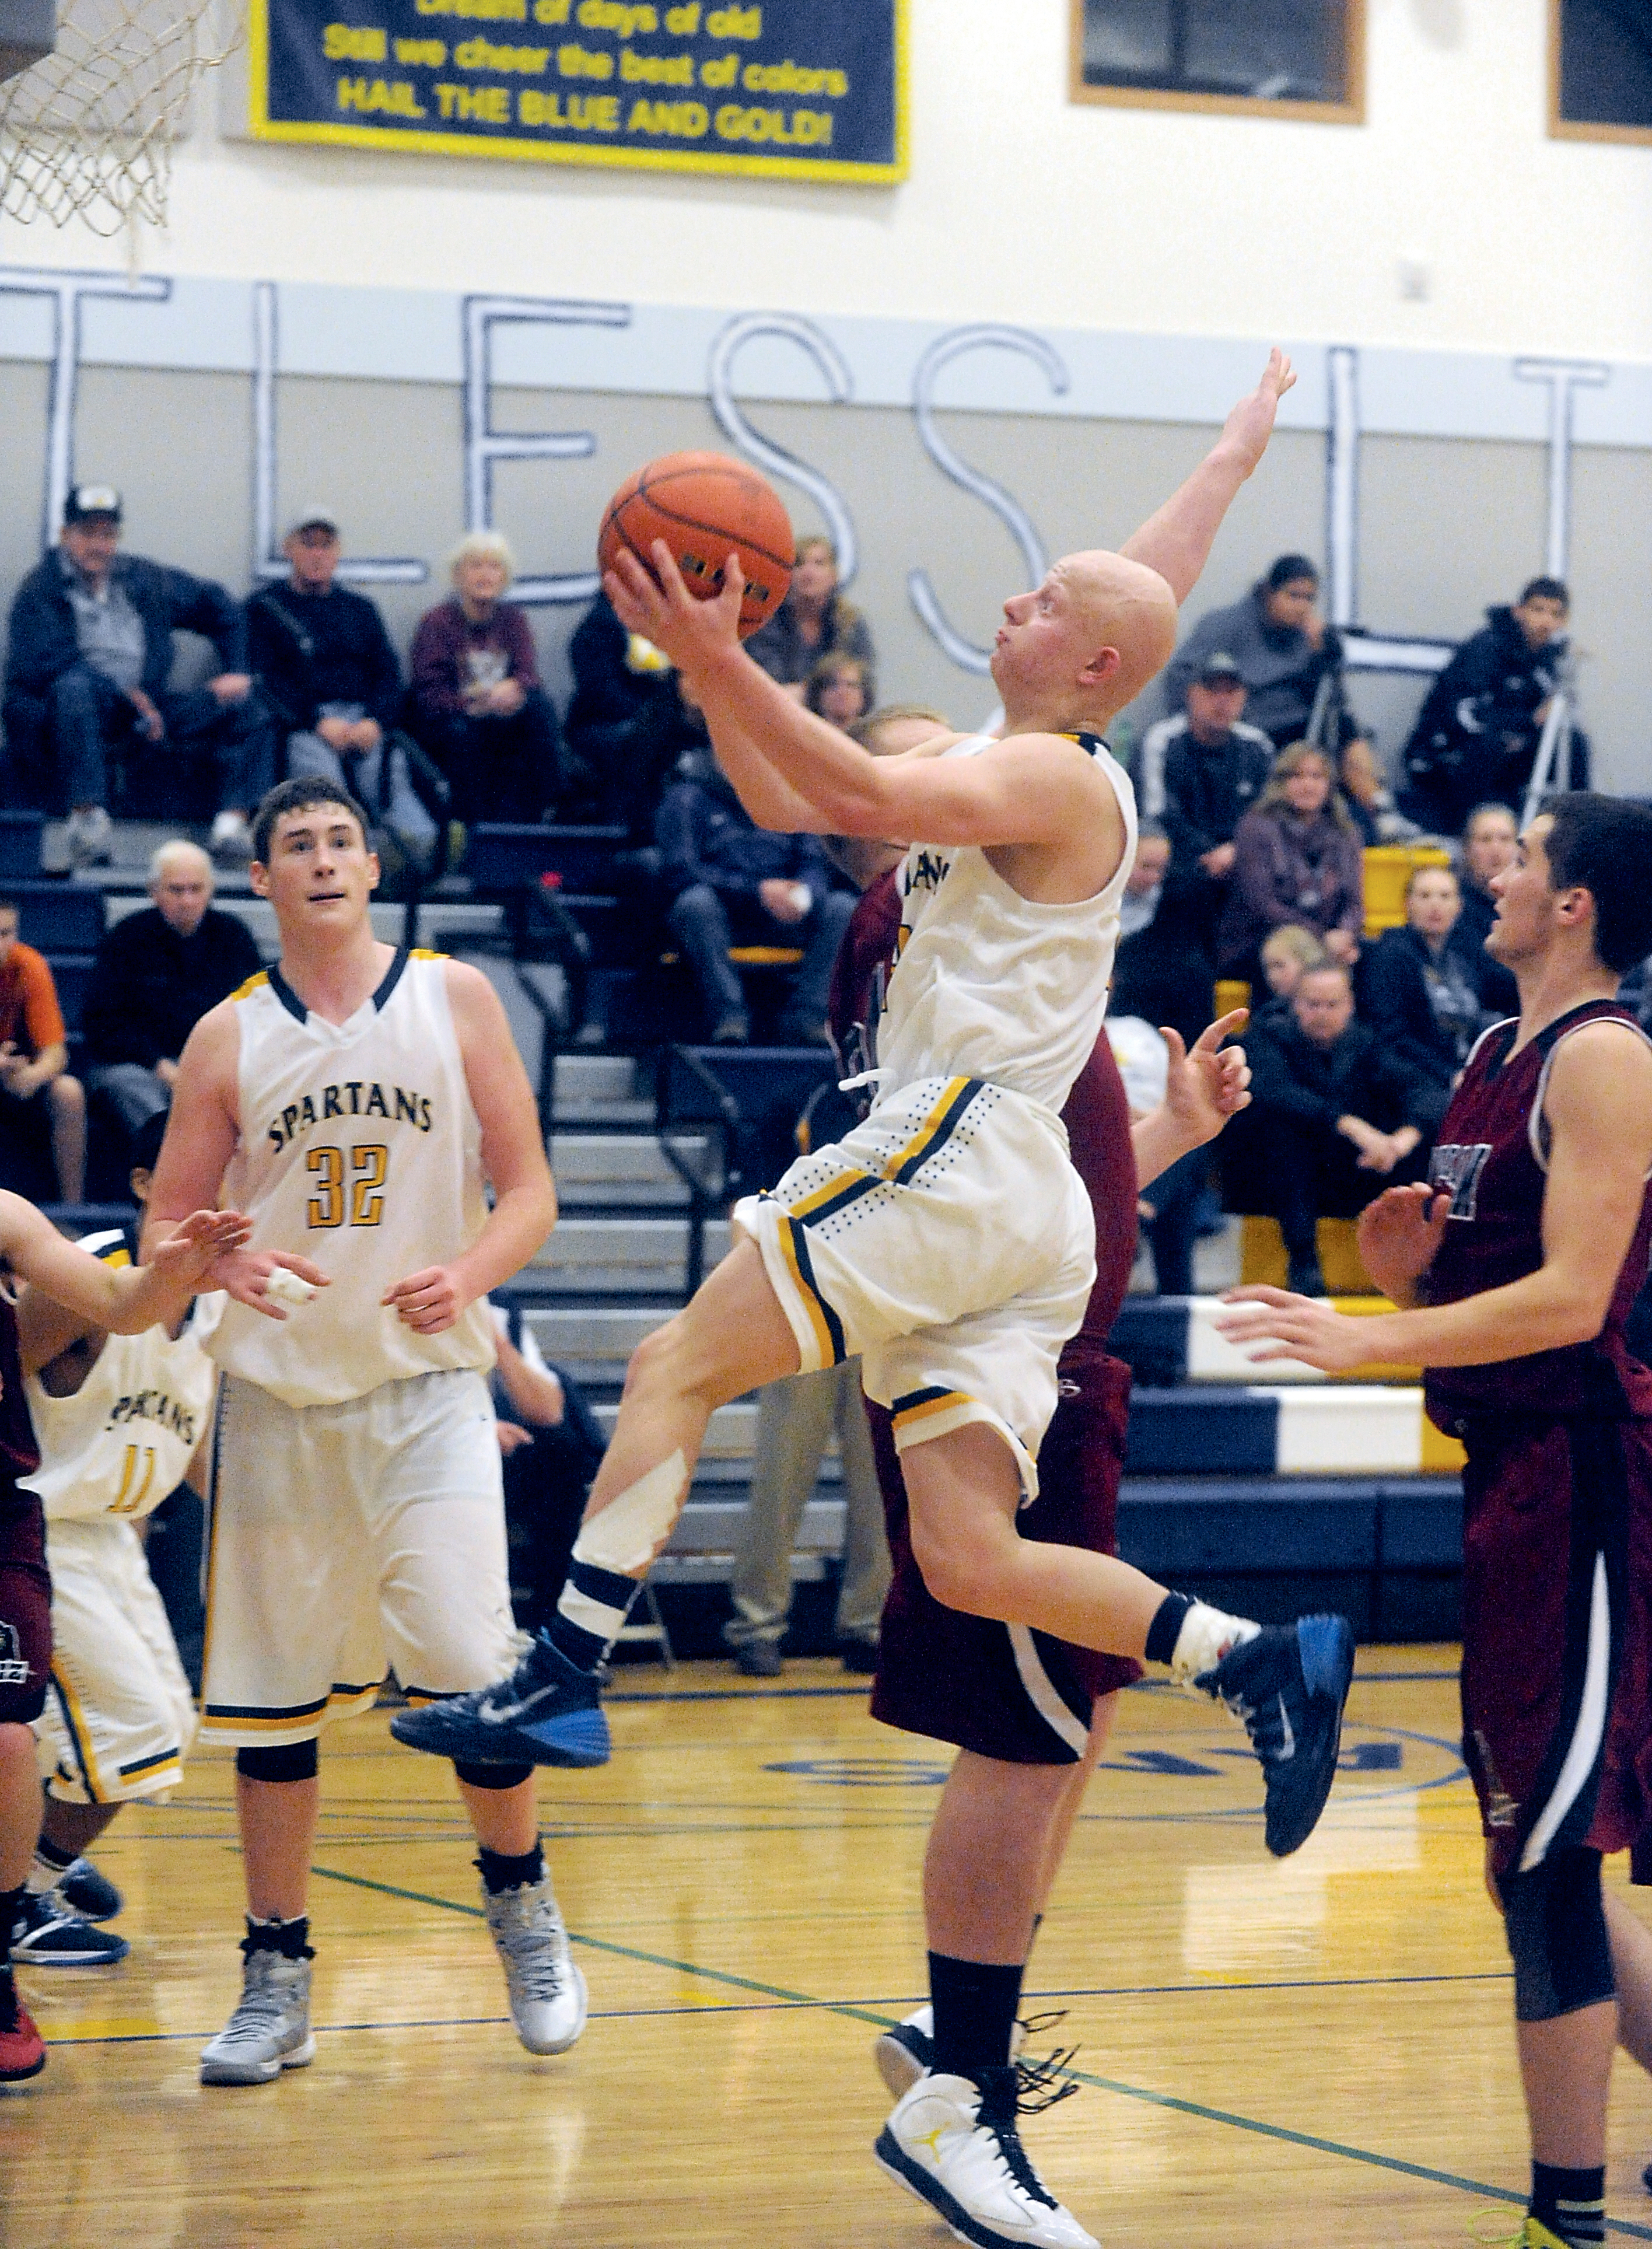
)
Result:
{"points": [[546, 1990], [270, 2031]]}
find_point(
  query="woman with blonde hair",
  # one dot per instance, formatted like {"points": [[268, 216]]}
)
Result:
{"points": [[477, 704], [840, 690], [1296, 859], [813, 621]]}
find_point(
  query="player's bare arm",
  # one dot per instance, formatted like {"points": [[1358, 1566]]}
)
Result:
{"points": [[1598, 1109], [1177, 540], [120, 1300], [512, 1157], [201, 1133], [1205, 1085]]}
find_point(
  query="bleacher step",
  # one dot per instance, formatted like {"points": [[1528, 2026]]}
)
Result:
{"points": [[629, 1168], [624, 1257]]}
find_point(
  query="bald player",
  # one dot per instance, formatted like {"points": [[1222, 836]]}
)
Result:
{"points": [[947, 1238]]}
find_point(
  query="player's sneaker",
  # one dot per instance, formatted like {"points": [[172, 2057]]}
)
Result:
{"points": [[23, 2052], [547, 1712], [269, 2030], [954, 2143], [49, 1933], [547, 1991], [902, 2054], [1289, 1685], [92, 1895]]}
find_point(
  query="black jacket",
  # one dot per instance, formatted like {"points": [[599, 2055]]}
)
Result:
{"points": [[149, 987], [1395, 999], [1477, 736], [1208, 791], [706, 836], [307, 649], [41, 644], [607, 692], [1290, 1076], [1166, 974]]}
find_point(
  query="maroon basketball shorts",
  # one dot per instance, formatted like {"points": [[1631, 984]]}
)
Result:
{"points": [[1000, 1689], [25, 1608], [1557, 1633]]}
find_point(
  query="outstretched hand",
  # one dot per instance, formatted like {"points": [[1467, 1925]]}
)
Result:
{"points": [[1250, 425], [1399, 1234], [1305, 1328], [661, 607], [1206, 1085], [188, 1252]]}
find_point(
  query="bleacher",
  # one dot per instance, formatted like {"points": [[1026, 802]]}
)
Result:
{"points": [[1271, 1493]]}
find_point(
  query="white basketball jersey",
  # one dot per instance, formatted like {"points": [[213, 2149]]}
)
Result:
{"points": [[360, 1151], [990, 985], [121, 1444]]}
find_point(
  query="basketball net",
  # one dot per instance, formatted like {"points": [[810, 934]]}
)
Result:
{"points": [[89, 131]]}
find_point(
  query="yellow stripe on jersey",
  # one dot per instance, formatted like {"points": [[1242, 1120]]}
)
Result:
{"points": [[261, 977], [936, 1129], [829, 1331], [921, 1405], [116, 1258], [425, 952], [842, 1188], [74, 1719]]}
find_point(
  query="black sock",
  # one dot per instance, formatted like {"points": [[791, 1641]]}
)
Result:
{"points": [[10, 1906], [504, 1870], [290, 1938], [591, 1612], [1166, 1628], [974, 2006], [53, 1855], [1570, 2203]]}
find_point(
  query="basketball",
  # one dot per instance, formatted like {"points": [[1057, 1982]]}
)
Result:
{"points": [[705, 506]]}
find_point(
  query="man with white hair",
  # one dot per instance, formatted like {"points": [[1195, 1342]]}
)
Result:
{"points": [[479, 706], [156, 974]]}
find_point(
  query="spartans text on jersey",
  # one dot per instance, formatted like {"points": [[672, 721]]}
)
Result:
{"points": [[355, 1097]]}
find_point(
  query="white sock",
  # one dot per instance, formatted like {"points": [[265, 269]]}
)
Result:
{"points": [[1205, 1638]]}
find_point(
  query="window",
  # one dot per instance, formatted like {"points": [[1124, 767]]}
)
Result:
{"points": [[1601, 70], [1275, 57]]}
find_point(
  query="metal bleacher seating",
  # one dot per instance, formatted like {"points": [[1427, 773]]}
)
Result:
{"points": [[746, 1102]]}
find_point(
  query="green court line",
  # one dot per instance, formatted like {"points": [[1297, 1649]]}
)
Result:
{"points": [[1195, 2109]]}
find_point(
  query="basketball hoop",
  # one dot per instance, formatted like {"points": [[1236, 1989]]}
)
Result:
{"points": [[88, 131]]}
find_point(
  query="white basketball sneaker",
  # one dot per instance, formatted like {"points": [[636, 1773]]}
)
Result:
{"points": [[270, 2031], [904, 2053], [546, 1990], [954, 2143]]}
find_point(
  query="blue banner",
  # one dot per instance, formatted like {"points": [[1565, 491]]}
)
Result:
{"points": [[810, 89]]}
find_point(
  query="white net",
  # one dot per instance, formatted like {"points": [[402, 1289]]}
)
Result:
{"points": [[89, 131]]}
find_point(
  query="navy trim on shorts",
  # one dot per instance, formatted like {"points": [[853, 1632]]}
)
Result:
{"points": [[805, 1267], [935, 1141]]}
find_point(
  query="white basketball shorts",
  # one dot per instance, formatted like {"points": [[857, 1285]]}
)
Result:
{"points": [[119, 1716], [347, 1540], [949, 1242]]}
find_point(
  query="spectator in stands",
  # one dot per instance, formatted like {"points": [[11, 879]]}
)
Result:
{"points": [[88, 660], [39, 1102], [326, 668], [813, 621], [1162, 969], [1491, 840], [669, 729], [1476, 739], [1367, 798], [1340, 1116], [1297, 858], [1284, 955], [732, 883], [619, 677], [1420, 996], [1203, 770], [1282, 647], [156, 974], [839, 690], [479, 706]]}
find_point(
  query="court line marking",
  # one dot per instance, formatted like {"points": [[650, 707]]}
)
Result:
{"points": [[818, 1694], [855, 2012]]}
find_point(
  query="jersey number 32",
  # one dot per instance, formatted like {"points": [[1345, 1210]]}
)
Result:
{"points": [[368, 1164]]}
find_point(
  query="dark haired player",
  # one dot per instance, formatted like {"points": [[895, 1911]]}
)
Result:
{"points": [[1522, 1257]]}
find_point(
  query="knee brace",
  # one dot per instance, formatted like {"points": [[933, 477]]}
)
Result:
{"points": [[291, 1761], [1554, 1919], [492, 1776]]}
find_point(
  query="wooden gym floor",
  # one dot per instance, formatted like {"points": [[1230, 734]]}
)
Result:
{"points": [[1317, 2052]]}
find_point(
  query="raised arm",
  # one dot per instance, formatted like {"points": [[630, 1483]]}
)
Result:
{"points": [[1176, 542], [124, 1300]]}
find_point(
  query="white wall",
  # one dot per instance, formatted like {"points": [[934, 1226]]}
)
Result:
{"points": [[1022, 205]]}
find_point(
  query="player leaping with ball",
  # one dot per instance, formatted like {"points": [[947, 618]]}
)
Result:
{"points": [[947, 1239]]}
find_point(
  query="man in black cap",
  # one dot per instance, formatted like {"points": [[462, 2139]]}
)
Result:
{"points": [[1201, 772], [88, 657]]}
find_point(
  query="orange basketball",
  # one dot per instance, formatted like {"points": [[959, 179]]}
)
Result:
{"points": [[705, 506]]}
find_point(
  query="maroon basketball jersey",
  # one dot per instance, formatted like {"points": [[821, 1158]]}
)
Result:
{"points": [[1491, 1160], [19, 1454], [1096, 1115]]}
